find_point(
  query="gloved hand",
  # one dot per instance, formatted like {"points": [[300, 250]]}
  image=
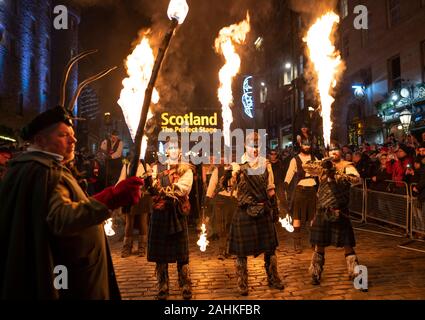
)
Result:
{"points": [[274, 208], [125, 193]]}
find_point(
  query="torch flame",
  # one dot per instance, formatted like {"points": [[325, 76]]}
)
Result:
{"points": [[178, 9], [327, 63], [225, 45], [108, 228], [203, 242], [287, 223], [139, 65]]}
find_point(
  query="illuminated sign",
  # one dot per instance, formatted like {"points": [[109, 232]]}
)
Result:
{"points": [[189, 122], [247, 97]]}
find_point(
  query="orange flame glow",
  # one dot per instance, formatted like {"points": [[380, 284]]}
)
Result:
{"points": [[203, 242], [139, 65], [225, 45], [108, 228], [327, 63]]}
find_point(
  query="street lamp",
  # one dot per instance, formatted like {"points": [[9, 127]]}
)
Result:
{"points": [[405, 118]]}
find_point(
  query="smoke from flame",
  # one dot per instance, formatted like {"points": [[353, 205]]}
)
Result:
{"points": [[327, 64], [139, 65], [225, 45]]}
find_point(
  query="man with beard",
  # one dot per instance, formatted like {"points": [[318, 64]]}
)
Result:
{"points": [[331, 224], [303, 192], [253, 230], [47, 220], [168, 240]]}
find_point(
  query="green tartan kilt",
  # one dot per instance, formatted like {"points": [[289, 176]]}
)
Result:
{"points": [[251, 236], [339, 233], [163, 247]]}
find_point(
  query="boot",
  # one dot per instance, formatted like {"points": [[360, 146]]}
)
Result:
{"points": [[352, 262], [273, 278], [141, 250], [184, 281], [242, 273], [316, 267], [126, 248], [162, 280], [298, 248]]}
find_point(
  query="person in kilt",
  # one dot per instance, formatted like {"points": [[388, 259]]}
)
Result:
{"points": [[303, 192], [252, 231], [331, 224], [168, 240], [139, 212], [222, 195]]}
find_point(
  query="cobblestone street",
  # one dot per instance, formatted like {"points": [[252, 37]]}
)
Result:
{"points": [[394, 273]]}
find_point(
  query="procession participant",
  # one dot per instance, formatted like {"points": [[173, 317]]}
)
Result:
{"points": [[46, 220], [139, 212], [113, 148], [253, 231], [223, 196], [331, 224], [5, 156], [302, 195], [168, 240]]}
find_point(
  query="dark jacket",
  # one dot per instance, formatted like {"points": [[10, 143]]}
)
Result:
{"points": [[46, 220]]}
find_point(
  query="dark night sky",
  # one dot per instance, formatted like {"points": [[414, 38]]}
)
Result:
{"points": [[189, 76]]}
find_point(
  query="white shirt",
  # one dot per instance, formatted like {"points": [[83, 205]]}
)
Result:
{"points": [[117, 154], [58, 157], [256, 164], [292, 171], [183, 185]]}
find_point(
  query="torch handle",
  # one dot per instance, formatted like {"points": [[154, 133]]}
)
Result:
{"points": [[148, 96]]}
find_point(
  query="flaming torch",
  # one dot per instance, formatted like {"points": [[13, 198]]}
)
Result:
{"points": [[225, 45], [139, 65], [108, 228], [203, 242], [177, 12], [327, 63], [287, 223]]}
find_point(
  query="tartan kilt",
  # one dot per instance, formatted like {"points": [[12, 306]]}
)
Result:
{"points": [[251, 236], [144, 206], [163, 247], [324, 233], [305, 200]]}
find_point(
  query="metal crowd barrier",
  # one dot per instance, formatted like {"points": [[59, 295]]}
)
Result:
{"points": [[391, 207], [417, 217], [396, 206], [357, 202]]}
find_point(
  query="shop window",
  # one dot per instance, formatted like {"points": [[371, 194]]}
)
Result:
{"points": [[394, 12], [394, 73]]}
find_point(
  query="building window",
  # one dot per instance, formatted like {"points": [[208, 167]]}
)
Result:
{"points": [[393, 12], [34, 27], [1, 33], [423, 59], [14, 6], [346, 46], [301, 64], [394, 73], [12, 48], [302, 100], [32, 65], [343, 8]]}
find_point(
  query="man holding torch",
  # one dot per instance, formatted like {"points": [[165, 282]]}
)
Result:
{"points": [[168, 240], [253, 229], [331, 224], [48, 221]]}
